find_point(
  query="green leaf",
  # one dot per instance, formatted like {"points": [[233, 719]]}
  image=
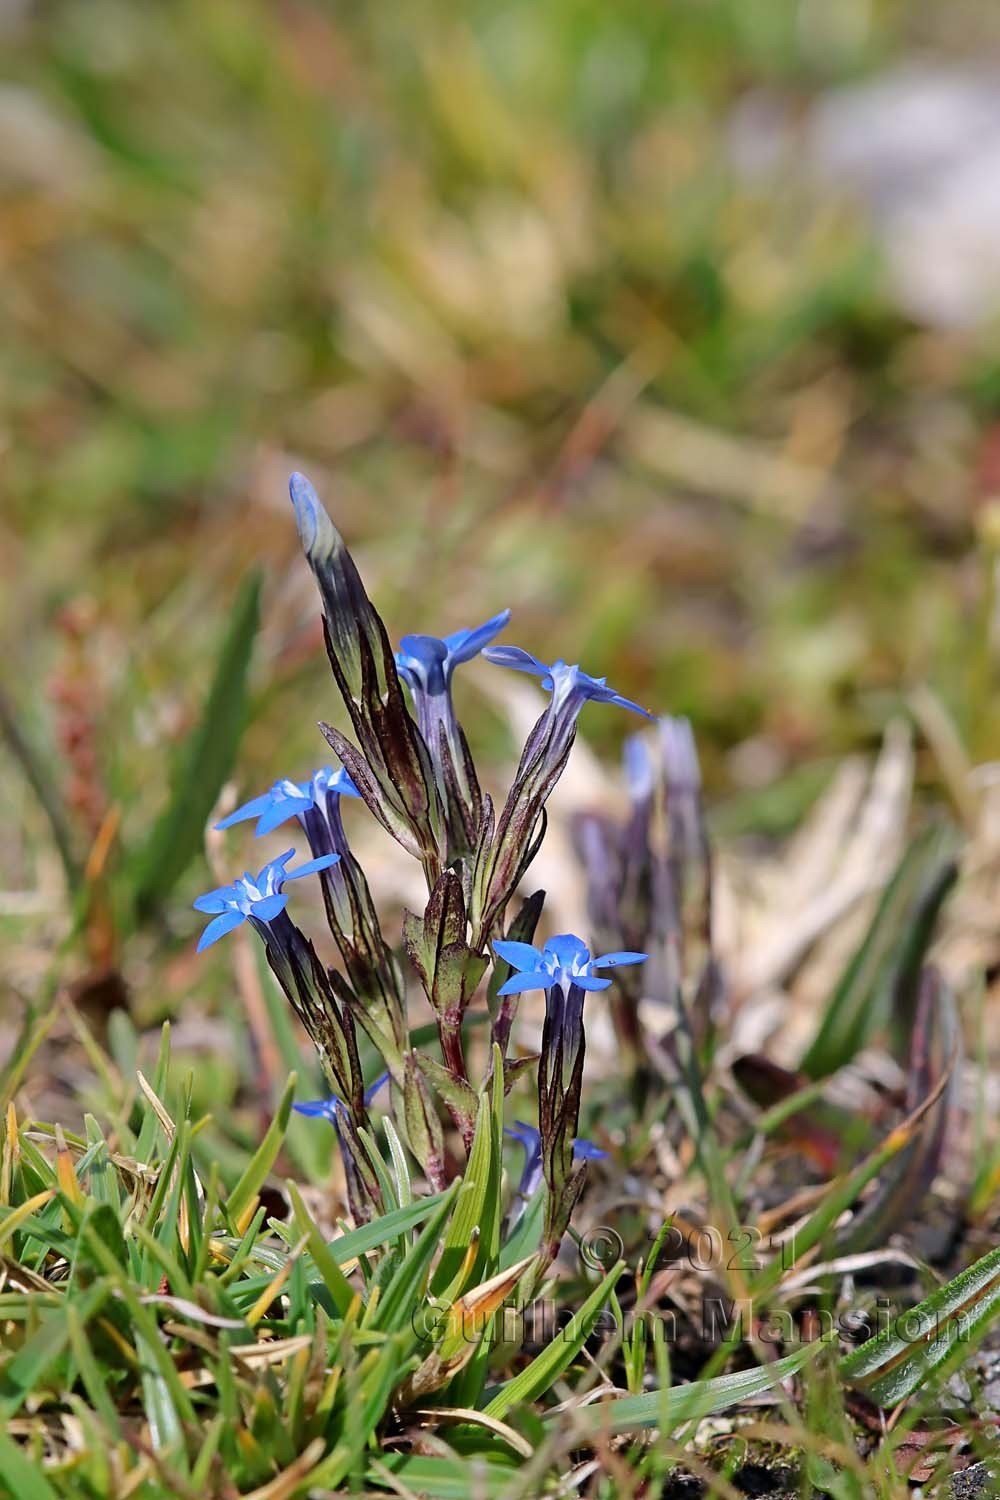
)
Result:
{"points": [[264, 1157], [333, 1278], [536, 1378], [24, 1373], [688, 1403], [895, 1363], [456, 1093], [19, 1476], [445, 1478], [468, 1215], [527, 1233], [206, 760], [891, 951], [403, 1295], [355, 1242]]}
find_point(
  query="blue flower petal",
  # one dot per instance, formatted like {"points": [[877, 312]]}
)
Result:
{"points": [[571, 677], [217, 900], [219, 927], [587, 1151], [340, 783], [325, 1109], [621, 702], [425, 650], [518, 984], [527, 1135], [374, 1087], [519, 955], [268, 908], [463, 645], [567, 949], [612, 960], [312, 865], [280, 812], [590, 982], [513, 656], [251, 809]]}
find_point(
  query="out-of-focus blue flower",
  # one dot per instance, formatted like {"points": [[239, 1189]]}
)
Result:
{"points": [[565, 960], [259, 898], [567, 683], [292, 799], [640, 769], [530, 1138], [330, 1109], [426, 662]]}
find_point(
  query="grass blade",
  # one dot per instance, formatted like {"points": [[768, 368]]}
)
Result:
{"points": [[687, 1403], [206, 760], [896, 941], [535, 1379], [895, 1363], [264, 1157]]}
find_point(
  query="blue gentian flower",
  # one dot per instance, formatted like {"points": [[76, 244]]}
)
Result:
{"points": [[293, 799], [568, 684], [332, 1108], [564, 961], [316, 805], [426, 664], [530, 1138], [257, 898]]}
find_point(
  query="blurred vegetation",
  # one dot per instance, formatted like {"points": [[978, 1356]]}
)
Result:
{"points": [[515, 286], [493, 280]]}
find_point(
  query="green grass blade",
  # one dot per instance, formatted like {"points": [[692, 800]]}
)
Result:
{"points": [[533, 1381], [206, 761], [264, 1157], [687, 1403], [468, 1215], [895, 944], [447, 1478], [403, 1295], [895, 1363], [19, 1476], [24, 1373], [333, 1278]]}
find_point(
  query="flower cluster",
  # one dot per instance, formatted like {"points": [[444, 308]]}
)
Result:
{"points": [[410, 764]]}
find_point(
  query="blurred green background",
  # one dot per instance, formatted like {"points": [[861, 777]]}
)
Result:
{"points": [[565, 306]]}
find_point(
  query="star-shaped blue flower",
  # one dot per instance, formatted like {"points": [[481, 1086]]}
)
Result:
{"points": [[292, 799], [330, 1109], [426, 662], [565, 960], [565, 682], [254, 896]]}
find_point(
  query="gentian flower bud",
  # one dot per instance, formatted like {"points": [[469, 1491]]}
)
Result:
{"points": [[688, 881], [392, 770]]}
